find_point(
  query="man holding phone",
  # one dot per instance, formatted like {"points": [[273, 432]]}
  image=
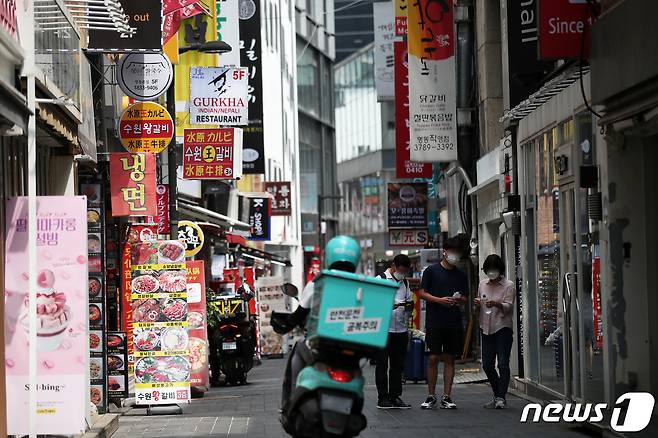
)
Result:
{"points": [[444, 287], [389, 378]]}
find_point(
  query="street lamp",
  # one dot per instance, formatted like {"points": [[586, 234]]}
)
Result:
{"points": [[203, 47]]}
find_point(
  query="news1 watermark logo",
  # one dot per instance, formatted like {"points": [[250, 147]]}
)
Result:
{"points": [[631, 412]]}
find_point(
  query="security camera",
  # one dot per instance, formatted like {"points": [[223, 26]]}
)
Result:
{"points": [[508, 217]]}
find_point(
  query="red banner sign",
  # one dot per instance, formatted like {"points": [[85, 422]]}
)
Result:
{"points": [[561, 27], [211, 153], [8, 16], [132, 183], [162, 207], [280, 190], [404, 167], [196, 319]]}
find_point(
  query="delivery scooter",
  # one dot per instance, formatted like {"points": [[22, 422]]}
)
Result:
{"points": [[348, 321]]}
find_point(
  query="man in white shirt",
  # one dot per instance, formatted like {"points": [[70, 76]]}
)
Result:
{"points": [[390, 364]]}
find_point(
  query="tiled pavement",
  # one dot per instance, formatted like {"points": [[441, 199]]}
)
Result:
{"points": [[252, 411]]}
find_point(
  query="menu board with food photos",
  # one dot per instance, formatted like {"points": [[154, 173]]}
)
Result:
{"points": [[196, 319], [159, 314], [92, 188], [270, 298], [117, 365]]}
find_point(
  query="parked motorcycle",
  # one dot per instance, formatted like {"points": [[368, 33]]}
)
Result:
{"points": [[327, 398]]}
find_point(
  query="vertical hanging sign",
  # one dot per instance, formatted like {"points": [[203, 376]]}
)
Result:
{"points": [[384, 35], [432, 81], [260, 212], [253, 140], [400, 17], [228, 29], [404, 167]]}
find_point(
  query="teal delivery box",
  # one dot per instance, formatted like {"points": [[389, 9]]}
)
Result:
{"points": [[352, 309]]}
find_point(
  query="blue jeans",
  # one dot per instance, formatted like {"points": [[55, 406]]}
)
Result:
{"points": [[497, 346]]}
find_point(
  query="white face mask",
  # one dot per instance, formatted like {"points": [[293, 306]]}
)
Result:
{"points": [[452, 258], [493, 275], [398, 276]]}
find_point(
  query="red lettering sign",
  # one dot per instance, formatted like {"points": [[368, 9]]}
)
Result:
{"points": [[210, 153], [561, 27], [132, 184]]}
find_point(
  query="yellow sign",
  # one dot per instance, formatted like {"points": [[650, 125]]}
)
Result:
{"points": [[192, 235], [145, 127]]}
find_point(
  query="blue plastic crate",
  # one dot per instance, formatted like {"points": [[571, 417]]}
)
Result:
{"points": [[351, 308]]}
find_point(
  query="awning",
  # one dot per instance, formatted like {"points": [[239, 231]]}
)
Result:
{"points": [[197, 212], [545, 93], [486, 183], [259, 255]]}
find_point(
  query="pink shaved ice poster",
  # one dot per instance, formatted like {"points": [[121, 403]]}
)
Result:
{"points": [[62, 315]]}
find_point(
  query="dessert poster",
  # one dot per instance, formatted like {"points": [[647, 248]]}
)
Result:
{"points": [[159, 313], [196, 320], [62, 315]]}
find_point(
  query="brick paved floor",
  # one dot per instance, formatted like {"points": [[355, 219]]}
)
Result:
{"points": [[252, 411]]}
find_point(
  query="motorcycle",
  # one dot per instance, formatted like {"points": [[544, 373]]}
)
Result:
{"points": [[327, 397], [235, 338]]}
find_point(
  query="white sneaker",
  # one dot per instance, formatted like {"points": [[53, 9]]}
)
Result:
{"points": [[447, 403], [429, 403], [500, 403], [491, 404]]}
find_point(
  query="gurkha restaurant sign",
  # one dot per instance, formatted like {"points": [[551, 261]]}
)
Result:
{"points": [[133, 184], [211, 153]]}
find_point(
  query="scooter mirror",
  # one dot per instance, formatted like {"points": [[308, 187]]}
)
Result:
{"points": [[290, 290]]}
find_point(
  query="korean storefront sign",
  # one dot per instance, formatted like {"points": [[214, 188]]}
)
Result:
{"points": [[135, 234], [432, 81], [413, 237], [219, 96], [401, 7], [384, 35], [162, 208], [62, 334], [407, 205], [192, 236], [145, 127], [145, 17], [228, 29], [404, 167], [281, 197], [159, 310], [253, 140], [132, 183], [144, 76], [561, 27], [196, 320], [212, 153], [260, 212]]}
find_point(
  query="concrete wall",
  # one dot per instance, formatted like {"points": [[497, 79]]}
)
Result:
{"points": [[489, 73]]}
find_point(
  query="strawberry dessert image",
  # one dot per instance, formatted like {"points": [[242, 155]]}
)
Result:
{"points": [[53, 315]]}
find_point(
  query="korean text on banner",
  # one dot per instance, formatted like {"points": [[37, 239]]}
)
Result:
{"points": [[432, 81], [159, 310], [212, 153], [384, 34], [270, 298], [62, 334], [407, 205], [132, 184], [404, 167], [218, 96], [281, 197], [196, 320], [228, 29], [135, 234]]}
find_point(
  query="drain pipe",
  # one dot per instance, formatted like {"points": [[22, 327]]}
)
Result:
{"points": [[474, 229]]}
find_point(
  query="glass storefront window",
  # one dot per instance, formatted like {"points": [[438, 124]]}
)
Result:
{"points": [[551, 354]]}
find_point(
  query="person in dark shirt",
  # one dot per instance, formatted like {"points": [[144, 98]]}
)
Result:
{"points": [[444, 287]]}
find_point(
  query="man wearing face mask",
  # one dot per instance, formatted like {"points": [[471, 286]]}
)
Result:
{"points": [[389, 379], [444, 287]]}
